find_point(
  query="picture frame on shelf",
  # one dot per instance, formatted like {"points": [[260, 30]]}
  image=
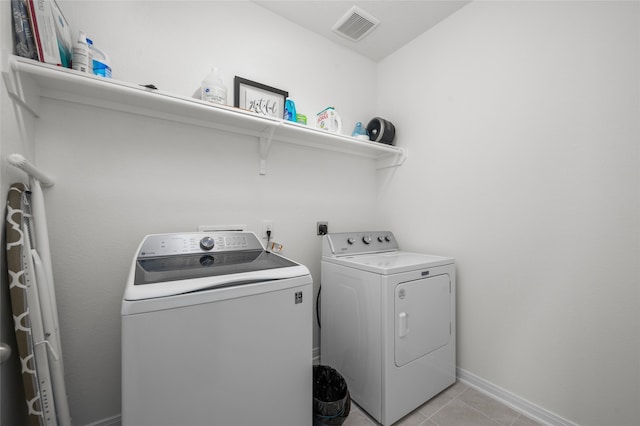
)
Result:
{"points": [[259, 98]]}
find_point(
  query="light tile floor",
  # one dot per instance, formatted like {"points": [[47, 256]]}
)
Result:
{"points": [[459, 405]]}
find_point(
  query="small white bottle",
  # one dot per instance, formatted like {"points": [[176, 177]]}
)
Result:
{"points": [[213, 88], [82, 59]]}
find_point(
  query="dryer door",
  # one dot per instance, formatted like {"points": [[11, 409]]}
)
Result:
{"points": [[422, 317]]}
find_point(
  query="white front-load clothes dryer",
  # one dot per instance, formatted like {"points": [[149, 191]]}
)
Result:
{"points": [[216, 331], [387, 322]]}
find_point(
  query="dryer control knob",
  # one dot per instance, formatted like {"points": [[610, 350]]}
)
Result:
{"points": [[380, 239], [207, 243], [387, 238], [351, 240], [366, 239]]}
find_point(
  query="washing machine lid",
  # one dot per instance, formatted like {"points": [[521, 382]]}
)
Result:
{"points": [[391, 262], [174, 268], [171, 264]]}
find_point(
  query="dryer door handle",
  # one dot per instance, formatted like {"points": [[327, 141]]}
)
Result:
{"points": [[403, 324]]}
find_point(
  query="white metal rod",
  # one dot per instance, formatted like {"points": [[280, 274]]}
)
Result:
{"points": [[20, 162]]}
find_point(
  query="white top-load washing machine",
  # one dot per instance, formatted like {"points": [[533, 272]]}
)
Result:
{"points": [[387, 322], [216, 331]]}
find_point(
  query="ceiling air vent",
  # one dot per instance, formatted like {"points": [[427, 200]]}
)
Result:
{"points": [[355, 24]]}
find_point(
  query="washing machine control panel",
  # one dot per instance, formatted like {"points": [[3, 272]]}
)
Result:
{"points": [[198, 242], [358, 242]]}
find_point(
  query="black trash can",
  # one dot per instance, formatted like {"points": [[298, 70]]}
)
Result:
{"points": [[331, 400]]}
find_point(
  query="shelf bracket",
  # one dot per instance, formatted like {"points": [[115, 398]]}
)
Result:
{"points": [[265, 145], [25, 95], [396, 160]]}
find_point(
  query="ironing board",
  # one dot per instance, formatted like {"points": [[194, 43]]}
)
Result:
{"points": [[35, 316]]}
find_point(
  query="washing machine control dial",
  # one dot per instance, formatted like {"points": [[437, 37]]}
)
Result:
{"points": [[387, 238], [367, 239], [207, 243], [380, 239], [351, 240]]}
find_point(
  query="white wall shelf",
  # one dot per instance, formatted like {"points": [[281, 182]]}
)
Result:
{"points": [[27, 81]]}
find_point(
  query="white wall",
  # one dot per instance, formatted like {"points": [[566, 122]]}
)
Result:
{"points": [[521, 120], [119, 177], [174, 44]]}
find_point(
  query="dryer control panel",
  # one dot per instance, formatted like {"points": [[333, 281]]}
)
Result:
{"points": [[348, 243]]}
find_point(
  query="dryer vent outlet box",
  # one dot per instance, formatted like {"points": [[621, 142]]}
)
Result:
{"points": [[355, 24]]}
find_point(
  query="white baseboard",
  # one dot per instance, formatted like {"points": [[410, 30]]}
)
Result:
{"points": [[512, 400]]}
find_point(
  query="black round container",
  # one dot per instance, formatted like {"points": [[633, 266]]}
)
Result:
{"points": [[331, 400]]}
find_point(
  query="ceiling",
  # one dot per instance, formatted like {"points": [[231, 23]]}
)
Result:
{"points": [[400, 21]]}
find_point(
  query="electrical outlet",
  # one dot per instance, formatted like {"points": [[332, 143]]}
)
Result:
{"points": [[323, 228], [267, 225]]}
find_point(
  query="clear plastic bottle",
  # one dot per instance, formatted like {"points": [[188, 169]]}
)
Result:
{"points": [[101, 63], [82, 58], [357, 130], [360, 131], [213, 88]]}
